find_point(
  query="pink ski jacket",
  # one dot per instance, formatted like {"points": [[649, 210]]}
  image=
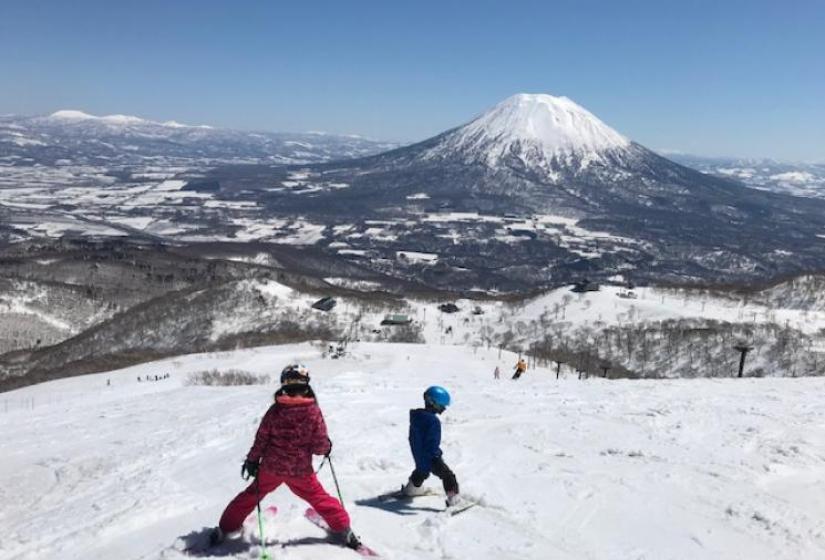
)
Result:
{"points": [[291, 432]]}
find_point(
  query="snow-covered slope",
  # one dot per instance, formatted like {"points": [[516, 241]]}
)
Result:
{"points": [[71, 115], [646, 332], [532, 126], [592, 470]]}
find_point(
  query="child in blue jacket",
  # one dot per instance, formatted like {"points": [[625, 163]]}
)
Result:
{"points": [[425, 444]]}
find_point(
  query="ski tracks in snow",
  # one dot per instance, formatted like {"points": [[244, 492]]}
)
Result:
{"points": [[586, 470]]}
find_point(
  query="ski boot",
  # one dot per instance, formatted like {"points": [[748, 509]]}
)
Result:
{"points": [[348, 539], [216, 536], [411, 490]]}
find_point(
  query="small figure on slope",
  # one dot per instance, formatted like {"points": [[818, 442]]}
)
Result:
{"points": [[425, 443], [521, 367], [496, 373], [291, 432]]}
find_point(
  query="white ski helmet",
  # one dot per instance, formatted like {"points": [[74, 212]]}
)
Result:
{"points": [[295, 374]]}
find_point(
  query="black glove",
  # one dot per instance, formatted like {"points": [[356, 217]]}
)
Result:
{"points": [[328, 453], [249, 469]]}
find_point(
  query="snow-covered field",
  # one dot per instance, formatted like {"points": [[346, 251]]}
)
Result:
{"points": [[563, 469], [794, 178]]}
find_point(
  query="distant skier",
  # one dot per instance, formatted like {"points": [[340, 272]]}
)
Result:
{"points": [[425, 443], [521, 367], [497, 373], [291, 432]]}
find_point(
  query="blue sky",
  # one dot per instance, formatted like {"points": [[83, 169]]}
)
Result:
{"points": [[714, 78]]}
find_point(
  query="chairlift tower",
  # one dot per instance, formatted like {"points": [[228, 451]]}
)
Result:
{"points": [[743, 349]]}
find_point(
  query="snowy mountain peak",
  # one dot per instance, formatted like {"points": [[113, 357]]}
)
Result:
{"points": [[123, 119], [71, 115], [535, 125]]}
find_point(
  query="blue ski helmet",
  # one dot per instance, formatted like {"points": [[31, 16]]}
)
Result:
{"points": [[437, 397]]}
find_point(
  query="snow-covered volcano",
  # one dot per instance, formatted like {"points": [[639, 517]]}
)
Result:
{"points": [[537, 128], [544, 139], [536, 159]]}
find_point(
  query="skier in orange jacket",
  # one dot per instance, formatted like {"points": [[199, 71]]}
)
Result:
{"points": [[521, 367]]}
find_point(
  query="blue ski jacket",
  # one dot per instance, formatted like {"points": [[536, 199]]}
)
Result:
{"points": [[425, 438]]}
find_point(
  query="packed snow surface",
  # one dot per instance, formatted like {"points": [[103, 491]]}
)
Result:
{"points": [[553, 126], [563, 469]]}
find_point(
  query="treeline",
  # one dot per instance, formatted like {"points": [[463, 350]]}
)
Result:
{"points": [[681, 348]]}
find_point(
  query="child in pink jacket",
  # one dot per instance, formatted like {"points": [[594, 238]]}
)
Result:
{"points": [[291, 432]]}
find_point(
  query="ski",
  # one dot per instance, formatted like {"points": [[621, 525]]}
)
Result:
{"points": [[459, 508], [315, 518], [449, 510], [201, 548]]}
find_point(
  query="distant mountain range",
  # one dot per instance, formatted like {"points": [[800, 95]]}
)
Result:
{"points": [[75, 137], [535, 192], [796, 178]]}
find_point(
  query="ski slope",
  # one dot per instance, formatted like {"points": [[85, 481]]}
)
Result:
{"points": [[567, 469]]}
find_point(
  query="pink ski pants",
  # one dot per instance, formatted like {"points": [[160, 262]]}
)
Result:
{"points": [[305, 487]]}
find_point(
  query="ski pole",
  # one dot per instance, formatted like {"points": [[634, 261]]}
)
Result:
{"points": [[328, 458], [321, 466], [264, 554], [337, 487]]}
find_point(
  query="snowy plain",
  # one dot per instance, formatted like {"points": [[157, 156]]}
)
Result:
{"points": [[568, 469]]}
